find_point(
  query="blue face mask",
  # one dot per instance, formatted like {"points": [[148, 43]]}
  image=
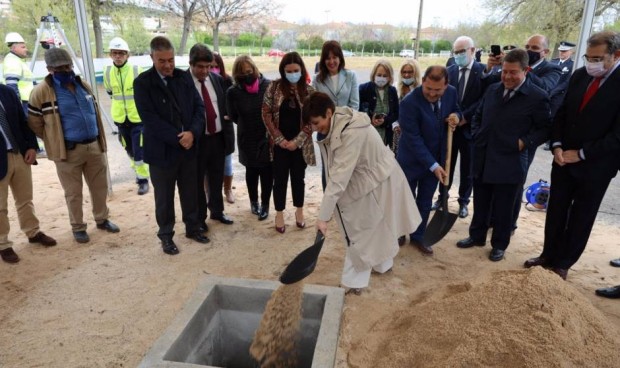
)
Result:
{"points": [[293, 77], [461, 60], [64, 77], [408, 81]]}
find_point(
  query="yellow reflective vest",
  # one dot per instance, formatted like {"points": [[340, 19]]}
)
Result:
{"points": [[16, 72], [119, 82]]}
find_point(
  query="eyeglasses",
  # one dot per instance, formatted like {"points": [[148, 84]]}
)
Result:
{"points": [[458, 52], [594, 59]]}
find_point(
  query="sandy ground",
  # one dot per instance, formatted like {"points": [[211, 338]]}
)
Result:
{"points": [[104, 303]]}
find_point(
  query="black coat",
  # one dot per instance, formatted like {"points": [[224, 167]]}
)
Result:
{"points": [[245, 109], [368, 102], [221, 85]]}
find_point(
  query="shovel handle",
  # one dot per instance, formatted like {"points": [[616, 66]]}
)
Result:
{"points": [[319, 236], [448, 156]]}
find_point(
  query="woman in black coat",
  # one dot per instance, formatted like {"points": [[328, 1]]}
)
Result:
{"points": [[244, 100]]}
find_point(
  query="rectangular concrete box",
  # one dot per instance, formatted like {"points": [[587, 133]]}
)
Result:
{"points": [[217, 325]]}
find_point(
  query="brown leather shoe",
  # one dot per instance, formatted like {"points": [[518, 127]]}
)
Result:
{"points": [[536, 261], [424, 249], [562, 272], [42, 239], [8, 255]]}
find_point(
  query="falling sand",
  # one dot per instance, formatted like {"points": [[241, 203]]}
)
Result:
{"points": [[275, 341]]}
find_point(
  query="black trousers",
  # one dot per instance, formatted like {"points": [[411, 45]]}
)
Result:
{"points": [[496, 199], [265, 174], [519, 192], [210, 163], [183, 175], [573, 204], [464, 147], [288, 163]]}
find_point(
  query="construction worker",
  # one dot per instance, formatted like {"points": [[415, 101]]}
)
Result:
{"points": [[118, 81], [17, 74]]}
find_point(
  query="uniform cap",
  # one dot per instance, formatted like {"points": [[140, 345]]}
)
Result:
{"points": [[56, 56], [565, 46]]}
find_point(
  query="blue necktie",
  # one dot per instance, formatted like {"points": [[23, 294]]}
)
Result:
{"points": [[461, 89]]}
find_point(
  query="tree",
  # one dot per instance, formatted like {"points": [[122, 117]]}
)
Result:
{"points": [[185, 9], [96, 8], [218, 12]]}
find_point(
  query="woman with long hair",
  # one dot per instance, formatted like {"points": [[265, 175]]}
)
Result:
{"points": [[291, 139], [410, 78]]}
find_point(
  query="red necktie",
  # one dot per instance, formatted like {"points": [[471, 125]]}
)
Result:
{"points": [[590, 92], [210, 111]]}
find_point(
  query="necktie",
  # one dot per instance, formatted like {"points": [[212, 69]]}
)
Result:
{"points": [[590, 92], [437, 110], [461, 89], [209, 110], [507, 95], [6, 129]]}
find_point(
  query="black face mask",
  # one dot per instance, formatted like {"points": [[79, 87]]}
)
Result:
{"points": [[249, 79], [534, 57]]}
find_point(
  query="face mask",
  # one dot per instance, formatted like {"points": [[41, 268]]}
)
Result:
{"points": [[64, 77], [381, 81], [293, 77], [461, 60], [534, 57], [596, 69], [249, 79], [251, 87], [408, 81], [216, 70]]}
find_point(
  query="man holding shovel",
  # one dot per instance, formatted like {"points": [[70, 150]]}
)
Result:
{"points": [[422, 147]]}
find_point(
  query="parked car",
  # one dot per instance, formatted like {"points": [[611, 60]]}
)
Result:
{"points": [[407, 53], [347, 53], [275, 52]]}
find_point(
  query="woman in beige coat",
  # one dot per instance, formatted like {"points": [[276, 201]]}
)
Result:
{"points": [[366, 190]]}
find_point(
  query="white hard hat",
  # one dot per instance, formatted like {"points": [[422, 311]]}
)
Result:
{"points": [[13, 37], [118, 43]]}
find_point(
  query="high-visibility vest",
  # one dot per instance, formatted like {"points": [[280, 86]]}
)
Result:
{"points": [[119, 81], [15, 67]]}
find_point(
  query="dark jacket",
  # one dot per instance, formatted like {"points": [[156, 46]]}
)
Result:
{"points": [[166, 111], [474, 90], [221, 85], [497, 127], [368, 102], [25, 137], [557, 94], [546, 76], [245, 109]]}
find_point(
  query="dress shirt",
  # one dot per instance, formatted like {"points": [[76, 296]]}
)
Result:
{"points": [[213, 97]]}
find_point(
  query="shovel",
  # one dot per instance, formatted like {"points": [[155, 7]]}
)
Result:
{"points": [[305, 262], [442, 220]]}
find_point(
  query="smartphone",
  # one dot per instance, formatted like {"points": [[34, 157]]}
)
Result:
{"points": [[496, 50]]}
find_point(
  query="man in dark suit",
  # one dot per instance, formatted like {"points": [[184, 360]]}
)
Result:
{"points": [[423, 115], [218, 138], [173, 115], [513, 117], [466, 76], [18, 145], [566, 64], [585, 140]]}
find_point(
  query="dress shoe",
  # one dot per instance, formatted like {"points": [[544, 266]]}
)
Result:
{"points": [[223, 219], [463, 211], [8, 255], [562, 272], [264, 213], [354, 291], [612, 292], [300, 224], [615, 262], [81, 236], [198, 237], [536, 261], [469, 242], [169, 247], [108, 226], [203, 228], [436, 205], [496, 255], [402, 240], [254, 208], [424, 249], [42, 239], [143, 187]]}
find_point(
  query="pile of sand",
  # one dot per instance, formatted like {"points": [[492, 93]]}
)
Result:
{"points": [[528, 318], [275, 341]]}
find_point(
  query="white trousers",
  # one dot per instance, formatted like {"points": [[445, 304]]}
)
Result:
{"points": [[360, 279]]}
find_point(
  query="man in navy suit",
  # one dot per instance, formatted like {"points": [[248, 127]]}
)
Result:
{"points": [[513, 118], [174, 116], [18, 146], [423, 115], [466, 76], [585, 140]]}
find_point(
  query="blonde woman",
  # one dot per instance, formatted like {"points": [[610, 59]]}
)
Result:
{"points": [[409, 79]]}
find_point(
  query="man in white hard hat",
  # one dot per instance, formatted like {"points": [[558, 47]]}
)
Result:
{"points": [[17, 75], [118, 81]]}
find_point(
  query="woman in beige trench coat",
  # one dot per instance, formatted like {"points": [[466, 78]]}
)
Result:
{"points": [[366, 190]]}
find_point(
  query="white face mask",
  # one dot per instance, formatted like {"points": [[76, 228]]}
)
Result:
{"points": [[596, 69], [381, 81], [408, 81]]}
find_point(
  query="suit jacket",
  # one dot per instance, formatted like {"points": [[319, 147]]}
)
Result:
{"points": [[497, 127], [346, 94], [368, 103], [166, 111], [423, 138], [557, 94], [474, 90], [596, 129], [221, 85], [546, 75], [26, 139]]}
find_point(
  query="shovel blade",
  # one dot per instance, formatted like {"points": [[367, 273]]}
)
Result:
{"points": [[304, 263]]}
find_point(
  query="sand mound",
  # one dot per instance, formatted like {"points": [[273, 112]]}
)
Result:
{"points": [[528, 318]]}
